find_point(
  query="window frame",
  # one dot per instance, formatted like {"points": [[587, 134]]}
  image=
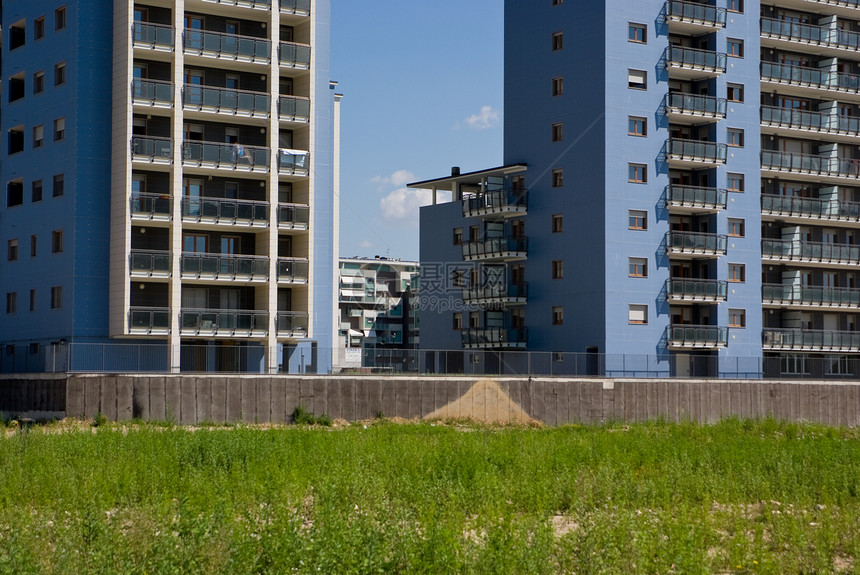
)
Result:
{"points": [[733, 275], [637, 126], [736, 228], [60, 129], [735, 177], [457, 321], [56, 297], [637, 267], [734, 48], [38, 136], [634, 310], [558, 131], [734, 90], [60, 19], [632, 84], [633, 30], [557, 269], [457, 236], [60, 73], [558, 315], [558, 86], [735, 137], [637, 173], [558, 177], [637, 220], [58, 190], [11, 302], [557, 223], [737, 318], [39, 28], [57, 241], [557, 41], [12, 250], [38, 82]]}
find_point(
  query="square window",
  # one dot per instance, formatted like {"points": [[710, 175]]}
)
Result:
{"points": [[557, 269], [636, 126], [737, 318], [637, 33], [36, 191], [637, 79], [59, 129], [735, 182], [56, 297], [736, 227], [458, 321], [637, 173], [557, 41], [735, 92], [11, 302], [60, 18], [637, 267], [32, 300], [60, 74], [557, 132], [557, 86], [557, 223], [735, 5], [38, 82], [12, 250], [637, 220], [39, 28], [56, 241], [735, 137], [735, 48], [38, 136], [59, 185], [637, 314], [737, 273], [557, 178], [14, 193], [33, 245], [557, 315], [458, 236]]}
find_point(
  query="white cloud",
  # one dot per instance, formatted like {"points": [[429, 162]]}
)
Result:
{"points": [[364, 244], [403, 204], [398, 179], [486, 118]]}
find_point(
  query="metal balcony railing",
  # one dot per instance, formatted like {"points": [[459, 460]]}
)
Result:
{"points": [[301, 7], [818, 78], [507, 293], [225, 101], [151, 206], [149, 263], [695, 151], [294, 55], [224, 267], [806, 120], [496, 248], [152, 36], [694, 105], [292, 324], [811, 340], [695, 197], [689, 289], [152, 92], [293, 270], [795, 206], [694, 13], [152, 149], [293, 161], [255, 4], [508, 201], [811, 296], [148, 319], [495, 338], [228, 156], [810, 252], [226, 46], [831, 166], [696, 243], [697, 336], [293, 216], [294, 109], [810, 34], [695, 59], [225, 211], [224, 322]]}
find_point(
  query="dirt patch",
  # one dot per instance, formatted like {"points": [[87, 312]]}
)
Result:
{"points": [[484, 402]]}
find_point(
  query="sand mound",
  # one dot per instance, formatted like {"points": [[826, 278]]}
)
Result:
{"points": [[485, 402]]}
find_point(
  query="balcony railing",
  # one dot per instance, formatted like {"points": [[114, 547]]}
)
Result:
{"points": [[695, 197], [694, 105], [496, 248], [695, 151], [798, 207], [224, 322], [293, 162], [688, 289], [224, 267], [496, 338], [496, 202], [152, 149], [152, 36], [695, 59], [294, 109], [695, 13], [151, 206], [293, 270], [696, 243], [293, 55], [292, 324], [293, 216], [255, 4], [810, 34], [225, 156], [148, 320], [818, 78], [225, 101], [811, 340], [810, 296], [811, 164], [806, 120], [152, 93], [810, 252], [149, 263], [301, 7], [225, 211], [226, 46], [697, 336], [508, 293]]}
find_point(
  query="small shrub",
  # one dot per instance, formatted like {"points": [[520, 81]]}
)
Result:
{"points": [[301, 416], [324, 419], [100, 420]]}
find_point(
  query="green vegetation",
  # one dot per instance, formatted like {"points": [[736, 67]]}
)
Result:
{"points": [[738, 497]]}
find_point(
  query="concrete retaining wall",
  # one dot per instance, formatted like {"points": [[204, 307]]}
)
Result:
{"points": [[271, 399]]}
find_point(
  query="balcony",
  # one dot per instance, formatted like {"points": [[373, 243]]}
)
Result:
{"points": [[506, 248], [497, 338], [148, 321], [292, 324], [152, 93], [152, 207], [224, 323], [241, 103], [695, 152], [684, 62], [695, 244], [681, 107], [223, 267], [499, 203], [697, 199], [810, 165], [796, 295], [152, 150], [293, 162], [810, 35], [501, 294], [810, 208], [696, 290], [252, 4], [810, 252], [149, 264], [152, 36], [293, 55], [231, 47], [693, 15], [223, 211], [810, 78], [214, 155], [294, 109], [293, 270], [293, 217], [810, 122], [298, 7], [810, 340], [697, 337]]}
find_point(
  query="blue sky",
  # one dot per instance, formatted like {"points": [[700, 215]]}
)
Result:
{"points": [[422, 85]]}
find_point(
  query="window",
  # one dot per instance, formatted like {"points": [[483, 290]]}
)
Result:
{"points": [[557, 41], [735, 93], [12, 250], [16, 140], [33, 348], [637, 220], [637, 267], [557, 178], [637, 79], [14, 193], [474, 319], [557, 315], [474, 233], [458, 321], [36, 191], [735, 182], [33, 245], [557, 132], [637, 33], [457, 278], [38, 136], [59, 129], [735, 48], [737, 318], [59, 185], [736, 227], [56, 297], [38, 82], [637, 173], [735, 5], [636, 126], [637, 313], [838, 365], [557, 223], [557, 86], [60, 18], [458, 236], [32, 300], [56, 241], [17, 34], [557, 2], [16, 86], [557, 269], [11, 302], [39, 28], [60, 74], [735, 137], [737, 273]]}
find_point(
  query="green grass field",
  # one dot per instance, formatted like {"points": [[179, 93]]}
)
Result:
{"points": [[738, 497]]}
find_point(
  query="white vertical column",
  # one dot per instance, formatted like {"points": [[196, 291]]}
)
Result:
{"points": [[336, 232], [178, 75], [272, 185]]}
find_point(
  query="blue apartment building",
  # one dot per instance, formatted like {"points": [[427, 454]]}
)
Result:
{"points": [[678, 196], [168, 173]]}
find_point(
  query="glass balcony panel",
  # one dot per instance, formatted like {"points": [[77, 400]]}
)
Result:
{"points": [[296, 6], [149, 262], [694, 11], [294, 108], [152, 206], [152, 148], [292, 322], [292, 160], [293, 215], [151, 92], [223, 210], [295, 55], [152, 35], [695, 58], [293, 269], [229, 46], [225, 155], [496, 201], [149, 318], [696, 150], [692, 196], [695, 104]]}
